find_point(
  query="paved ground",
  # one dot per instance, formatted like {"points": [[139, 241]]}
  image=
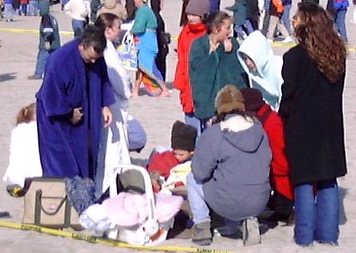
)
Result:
{"points": [[17, 60]]}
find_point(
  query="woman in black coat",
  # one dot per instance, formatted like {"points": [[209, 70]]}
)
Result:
{"points": [[311, 108]]}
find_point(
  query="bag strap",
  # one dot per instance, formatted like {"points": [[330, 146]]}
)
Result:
{"points": [[39, 207]]}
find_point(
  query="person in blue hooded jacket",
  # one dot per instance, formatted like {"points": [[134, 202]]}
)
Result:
{"points": [[49, 39]]}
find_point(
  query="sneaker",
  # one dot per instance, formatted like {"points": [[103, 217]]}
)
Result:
{"points": [[202, 234], [251, 231], [34, 77], [287, 39]]}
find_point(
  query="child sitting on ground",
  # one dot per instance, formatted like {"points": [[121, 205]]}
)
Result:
{"points": [[24, 159], [160, 165]]}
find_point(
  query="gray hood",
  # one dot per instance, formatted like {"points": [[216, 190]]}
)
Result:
{"points": [[249, 137]]}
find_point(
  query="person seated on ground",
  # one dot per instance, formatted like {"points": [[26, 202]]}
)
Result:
{"points": [[230, 170], [24, 159], [183, 138], [281, 200]]}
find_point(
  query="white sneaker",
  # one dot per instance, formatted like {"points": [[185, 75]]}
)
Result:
{"points": [[287, 39], [251, 231]]}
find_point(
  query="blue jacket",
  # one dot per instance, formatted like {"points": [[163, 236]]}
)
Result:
{"points": [[232, 161]]}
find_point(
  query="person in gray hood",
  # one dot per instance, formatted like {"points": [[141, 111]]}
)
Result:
{"points": [[230, 167]]}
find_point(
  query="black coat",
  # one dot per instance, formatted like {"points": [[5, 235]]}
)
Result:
{"points": [[311, 109]]}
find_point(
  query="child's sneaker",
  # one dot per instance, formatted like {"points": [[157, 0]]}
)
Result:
{"points": [[251, 231], [202, 234]]}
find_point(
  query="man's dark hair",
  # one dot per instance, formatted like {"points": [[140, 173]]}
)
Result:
{"points": [[93, 37]]}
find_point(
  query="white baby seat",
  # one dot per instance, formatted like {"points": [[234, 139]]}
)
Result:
{"points": [[151, 232]]}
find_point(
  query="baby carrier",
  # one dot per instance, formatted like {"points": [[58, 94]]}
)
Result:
{"points": [[153, 230]]}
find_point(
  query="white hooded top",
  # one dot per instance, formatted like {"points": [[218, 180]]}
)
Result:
{"points": [[268, 78], [24, 160]]}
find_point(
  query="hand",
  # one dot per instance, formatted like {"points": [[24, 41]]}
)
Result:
{"points": [[48, 45], [228, 45], [107, 115], [77, 115]]}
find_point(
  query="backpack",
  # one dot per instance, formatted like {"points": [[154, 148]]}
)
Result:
{"points": [[340, 4]]}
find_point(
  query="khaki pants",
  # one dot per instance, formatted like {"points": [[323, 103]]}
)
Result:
{"points": [[273, 24]]}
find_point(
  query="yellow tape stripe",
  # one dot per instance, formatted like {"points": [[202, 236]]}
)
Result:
{"points": [[108, 242], [275, 43], [15, 30]]}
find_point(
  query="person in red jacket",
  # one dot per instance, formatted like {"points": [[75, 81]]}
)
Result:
{"points": [[281, 201], [196, 11]]}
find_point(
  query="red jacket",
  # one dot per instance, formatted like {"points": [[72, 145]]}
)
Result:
{"points": [[163, 163], [280, 174], [181, 82]]}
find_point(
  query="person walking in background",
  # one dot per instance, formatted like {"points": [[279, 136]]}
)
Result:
{"points": [[23, 7], [212, 64], [275, 14], [73, 106], [241, 18], [197, 11], [144, 30], [338, 10], [163, 38], [114, 141], [33, 8], [8, 10], [287, 6], [262, 66], [78, 11], [230, 177], [312, 112], [49, 39]]}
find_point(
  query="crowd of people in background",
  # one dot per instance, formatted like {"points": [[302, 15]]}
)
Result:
{"points": [[261, 133]]}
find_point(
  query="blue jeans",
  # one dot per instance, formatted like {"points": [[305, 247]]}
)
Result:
{"points": [[41, 62], [193, 121], [243, 30], [316, 213], [198, 206], [340, 23], [286, 17], [78, 27]]}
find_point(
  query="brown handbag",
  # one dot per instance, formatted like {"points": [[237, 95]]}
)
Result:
{"points": [[46, 204]]}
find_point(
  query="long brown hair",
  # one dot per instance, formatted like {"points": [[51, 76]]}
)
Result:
{"points": [[316, 34], [26, 114]]}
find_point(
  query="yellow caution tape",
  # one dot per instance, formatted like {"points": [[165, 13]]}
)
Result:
{"points": [[108, 242], [274, 44]]}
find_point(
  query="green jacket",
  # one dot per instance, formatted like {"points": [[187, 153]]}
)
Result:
{"points": [[210, 72], [144, 18]]}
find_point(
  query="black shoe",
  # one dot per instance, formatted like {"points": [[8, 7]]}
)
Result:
{"points": [[4, 215]]}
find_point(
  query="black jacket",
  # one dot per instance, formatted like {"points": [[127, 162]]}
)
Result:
{"points": [[311, 109]]}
